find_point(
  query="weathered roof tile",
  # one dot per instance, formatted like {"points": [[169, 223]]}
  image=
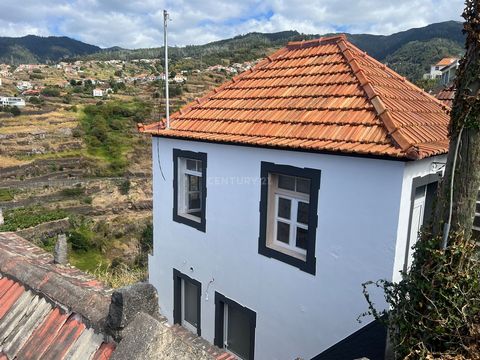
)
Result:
{"points": [[319, 95]]}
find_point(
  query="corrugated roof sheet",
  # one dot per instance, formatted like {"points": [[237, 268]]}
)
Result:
{"points": [[32, 327], [319, 95]]}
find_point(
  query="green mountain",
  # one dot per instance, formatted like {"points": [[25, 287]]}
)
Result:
{"points": [[380, 46], [36, 49], [409, 52], [415, 57]]}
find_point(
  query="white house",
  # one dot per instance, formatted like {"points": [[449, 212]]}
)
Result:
{"points": [[12, 101], [24, 85], [445, 70], [277, 195], [97, 92]]}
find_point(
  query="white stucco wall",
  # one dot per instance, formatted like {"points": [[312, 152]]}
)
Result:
{"points": [[298, 314], [413, 170]]}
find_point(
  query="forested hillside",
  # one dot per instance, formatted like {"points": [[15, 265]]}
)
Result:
{"points": [[409, 52], [36, 49]]}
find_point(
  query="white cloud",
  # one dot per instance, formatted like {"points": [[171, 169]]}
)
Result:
{"points": [[138, 23]]}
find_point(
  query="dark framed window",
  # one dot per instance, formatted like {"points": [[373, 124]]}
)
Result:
{"points": [[234, 327], [189, 188], [187, 295], [288, 214]]}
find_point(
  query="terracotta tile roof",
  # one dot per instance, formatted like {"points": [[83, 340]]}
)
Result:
{"points": [[35, 320], [446, 61], [33, 327], [446, 95], [319, 95]]}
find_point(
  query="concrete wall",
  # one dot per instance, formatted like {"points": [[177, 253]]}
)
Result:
{"points": [[298, 314]]}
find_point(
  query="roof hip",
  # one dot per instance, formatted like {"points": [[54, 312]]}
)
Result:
{"points": [[294, 99]]}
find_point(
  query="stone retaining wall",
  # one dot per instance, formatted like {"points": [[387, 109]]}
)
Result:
{"points": [[43, 231]]}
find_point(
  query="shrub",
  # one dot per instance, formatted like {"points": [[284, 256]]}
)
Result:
{"points": [[124, 187], [6, 194], [87, 200], [36, 77], [35, 100], [73, 192], [23, 218], [120, 276], [15, 111], [80, 241], [146, 246], [435, 308], [67, 99], [51, 91]]}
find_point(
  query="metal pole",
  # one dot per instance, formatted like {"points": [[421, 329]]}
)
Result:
{"points": [[167, 104]]}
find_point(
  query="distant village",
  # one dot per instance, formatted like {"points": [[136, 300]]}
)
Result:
{"points": [[28, 80]]}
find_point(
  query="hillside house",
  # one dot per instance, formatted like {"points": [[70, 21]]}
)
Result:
{"points": [[12, 101], [445, 70], [97, 92], [282, 191], [24, 85]]}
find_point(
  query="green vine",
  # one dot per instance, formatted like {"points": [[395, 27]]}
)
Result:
{"points": [[435, 309]]}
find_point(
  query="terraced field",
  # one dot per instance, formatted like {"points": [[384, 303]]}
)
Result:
{"points": [[86, 161]]}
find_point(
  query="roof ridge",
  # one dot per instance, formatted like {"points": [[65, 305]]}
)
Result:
{"points": [[315, 42], [393, 130]]}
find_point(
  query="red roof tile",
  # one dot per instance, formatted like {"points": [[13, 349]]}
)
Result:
{"points": [[319, 95], [446, 61], [446, 95], [32, 327], [44, 307]]}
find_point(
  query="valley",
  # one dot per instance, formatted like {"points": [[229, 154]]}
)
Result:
{"points": [[80, 166]]}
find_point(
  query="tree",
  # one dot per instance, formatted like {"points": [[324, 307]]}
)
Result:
{"points": [[458, 193], [15, 111], [51, 91], [435, 309]]}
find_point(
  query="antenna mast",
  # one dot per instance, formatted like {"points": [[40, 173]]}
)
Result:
{"points": [[165, 44]]}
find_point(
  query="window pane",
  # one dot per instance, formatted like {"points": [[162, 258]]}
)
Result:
{"points": [[194, 201], [286, 182], [192, 164], [302, 212], [283, 232], [303, 185], [301, 241], [238, 333], [190, 303], [193, 183], [284, 206], [420, 192]]}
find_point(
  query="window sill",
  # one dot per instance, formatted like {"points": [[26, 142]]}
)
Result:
{"points": [[286, 251], [190, 220], [190, 217]]}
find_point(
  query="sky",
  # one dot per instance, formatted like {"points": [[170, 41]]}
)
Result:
{"points": [[139, 23]]}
